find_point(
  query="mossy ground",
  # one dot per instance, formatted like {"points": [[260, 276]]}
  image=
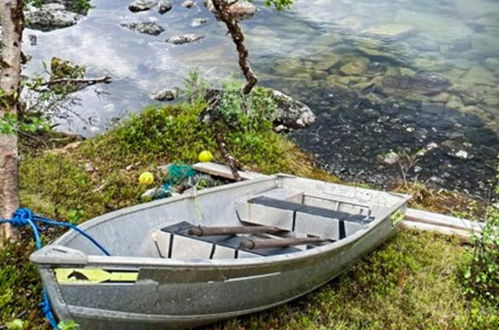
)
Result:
{"points": [[410, 282]]}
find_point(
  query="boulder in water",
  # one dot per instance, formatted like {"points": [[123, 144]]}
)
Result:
{"points": [[151, 28], [239, 10], [414, 85], [50, 16], [390, 31], [184, 39], [142, 5]]}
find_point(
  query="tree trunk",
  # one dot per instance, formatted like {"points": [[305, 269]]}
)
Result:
{"points": [[10, 83], [222, 7]]}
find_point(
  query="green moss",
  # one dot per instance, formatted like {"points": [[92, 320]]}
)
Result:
{"points": [[409, 282]]}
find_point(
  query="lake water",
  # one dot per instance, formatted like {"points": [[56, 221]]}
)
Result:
{"points": [[381, 76]]}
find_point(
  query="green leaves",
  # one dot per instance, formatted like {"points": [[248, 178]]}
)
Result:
{"points": [[10, 124], [481, 274], [278, 4]]}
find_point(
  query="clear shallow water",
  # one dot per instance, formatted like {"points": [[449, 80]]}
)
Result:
{"points": [[364, 67]]}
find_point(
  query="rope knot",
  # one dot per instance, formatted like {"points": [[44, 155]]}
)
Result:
{"points": [[22, 217]]}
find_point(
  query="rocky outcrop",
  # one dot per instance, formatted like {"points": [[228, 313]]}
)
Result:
{"points": [[151, 28], [292, 114], [239, 10], [184, 39]]}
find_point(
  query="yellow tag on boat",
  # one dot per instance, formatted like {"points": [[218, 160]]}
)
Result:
{"points": [[94, 276]]}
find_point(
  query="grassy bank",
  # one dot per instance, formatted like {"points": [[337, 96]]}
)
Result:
{"points": [[412, 281]]}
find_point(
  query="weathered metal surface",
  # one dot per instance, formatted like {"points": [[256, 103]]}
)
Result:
{"points": [[185, 283]]}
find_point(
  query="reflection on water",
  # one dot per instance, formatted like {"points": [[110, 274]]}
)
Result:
{"points": [[381, 75]]}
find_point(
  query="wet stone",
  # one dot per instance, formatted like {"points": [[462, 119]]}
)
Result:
{"points": [[390, 31], [188, 4], [184, 39], [433, 108], [165, 6], [50, 17], [419, 84], [151, 28], [165, 95], [142, 5], [198, 21]]}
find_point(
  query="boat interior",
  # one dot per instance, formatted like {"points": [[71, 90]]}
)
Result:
{"points": [[277, 221], [256, 218]]}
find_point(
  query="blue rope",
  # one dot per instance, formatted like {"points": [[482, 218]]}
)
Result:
{"points": [[25, 217]]}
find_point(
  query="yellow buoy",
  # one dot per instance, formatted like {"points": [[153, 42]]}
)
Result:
{"points": [[146, 178], [205, 156]]}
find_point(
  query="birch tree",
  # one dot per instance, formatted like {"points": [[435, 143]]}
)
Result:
{"points": [[11, 14]]}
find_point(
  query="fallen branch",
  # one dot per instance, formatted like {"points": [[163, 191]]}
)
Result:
{"points": [[87, 81]]}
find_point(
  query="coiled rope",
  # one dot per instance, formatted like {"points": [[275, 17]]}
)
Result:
{"points": [[25, 217]]}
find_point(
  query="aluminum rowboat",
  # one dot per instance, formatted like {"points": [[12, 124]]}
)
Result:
{"points": [[161, 275]]}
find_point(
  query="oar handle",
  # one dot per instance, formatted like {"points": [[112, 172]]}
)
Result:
{"points": [[213, 231], [252, 244]]}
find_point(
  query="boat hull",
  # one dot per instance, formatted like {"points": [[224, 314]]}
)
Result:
{"points": [[144, 292], [177, 297]]}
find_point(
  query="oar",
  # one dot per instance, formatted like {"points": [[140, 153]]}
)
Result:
{"points": [[251, 244], [212, 231]]}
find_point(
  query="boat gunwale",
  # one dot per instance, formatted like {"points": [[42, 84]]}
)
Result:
{"points": [[133, 261]]}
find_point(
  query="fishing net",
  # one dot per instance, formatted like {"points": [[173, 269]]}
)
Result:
{"points": [[177, 174]]}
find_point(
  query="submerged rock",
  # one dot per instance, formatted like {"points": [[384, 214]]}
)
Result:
{"points": [[199, 21], [353, 68], [188, 4], [164, 6], [390, 31], [184, 39], [240, 10], [50, 16], [151, 28], [480, 75], [142, 5], [415, 85]]}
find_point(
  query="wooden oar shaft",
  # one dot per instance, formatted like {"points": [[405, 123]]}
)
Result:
{"points": [[209, 231], [280, 242]]}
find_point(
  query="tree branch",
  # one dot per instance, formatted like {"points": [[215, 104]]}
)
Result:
{"points": [[237, 35], [87, 81]]}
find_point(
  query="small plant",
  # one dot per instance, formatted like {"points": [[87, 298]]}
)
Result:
{"points": [[255, 111], [481, 273], [195, 87], [68, 325]]}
